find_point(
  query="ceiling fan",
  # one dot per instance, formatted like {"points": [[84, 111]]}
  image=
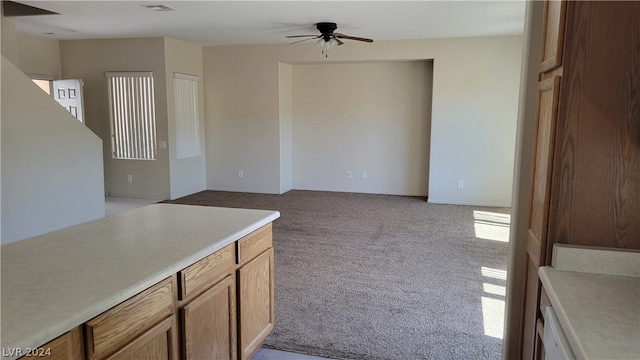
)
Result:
{"points": [[328, 38]]}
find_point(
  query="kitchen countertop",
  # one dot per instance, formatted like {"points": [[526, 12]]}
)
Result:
{"points": [[57, 281], [599, 313]]}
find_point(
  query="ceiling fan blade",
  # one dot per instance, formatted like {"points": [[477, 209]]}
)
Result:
{"points": [[338, 40], [343, 36], [299, 41], [296, 36]]}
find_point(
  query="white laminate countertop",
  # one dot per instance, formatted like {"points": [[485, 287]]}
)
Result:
{"points": [[599, 314], [54, 282]]}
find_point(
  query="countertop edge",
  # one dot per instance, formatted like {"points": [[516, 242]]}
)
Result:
{"points": [[572, 337]]}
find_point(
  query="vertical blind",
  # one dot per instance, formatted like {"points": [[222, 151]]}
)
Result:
{"points": [[133, 118], [187, 124]]}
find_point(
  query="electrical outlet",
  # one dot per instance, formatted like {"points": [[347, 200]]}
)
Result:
{"points": [[364, 175], [460, 184], [349, 174], [240, 173], [129, 178]]}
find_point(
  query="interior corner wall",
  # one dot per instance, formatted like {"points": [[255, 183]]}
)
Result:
{"points": [[187, 176], [363, 117], [242, 123], [51, 163], [286, 127], [89, 60], [39, 56], [473, 122], [474, 129]]}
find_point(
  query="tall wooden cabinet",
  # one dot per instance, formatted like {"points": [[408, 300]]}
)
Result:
{"points": [[255, 291], [586, 168]]}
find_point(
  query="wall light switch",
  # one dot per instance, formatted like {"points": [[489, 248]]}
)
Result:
{"points": [[240, 173], [129, 178], [162, 144], [460, 184], [364, 175]]}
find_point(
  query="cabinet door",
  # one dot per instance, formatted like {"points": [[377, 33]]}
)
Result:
{"points": [[539, 211], [159, 343], [542, 168], [210, 323], [255, 309], [552, 35]]}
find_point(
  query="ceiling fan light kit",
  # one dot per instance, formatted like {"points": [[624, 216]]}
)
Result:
{"points": [[328, 38]]}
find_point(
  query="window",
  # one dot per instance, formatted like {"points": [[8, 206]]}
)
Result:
{"points": [[187, 124], [133, 117]]}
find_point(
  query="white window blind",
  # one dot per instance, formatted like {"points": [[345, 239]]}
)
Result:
{"points": [[187, 124], [133, 117]]}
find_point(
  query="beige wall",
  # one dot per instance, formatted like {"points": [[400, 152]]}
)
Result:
{"points": [[474, 111], [89, 60], [9, 40], [286, 127], [187, 176], [51, 163], [242, 118], [39, 56], [372, 117]]}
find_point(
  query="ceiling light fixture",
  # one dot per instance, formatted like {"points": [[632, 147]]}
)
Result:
{"points": [[159, 7], [325, 45], [328, 38]]}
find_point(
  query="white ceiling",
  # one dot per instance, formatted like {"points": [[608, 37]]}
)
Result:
{"points": [[268, 22]]}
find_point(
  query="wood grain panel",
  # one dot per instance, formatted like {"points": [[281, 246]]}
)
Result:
{"points": [[254, 244], [256, 308], [539, 350], [206, 272], [542, 167], [532, 285], [158, 343], [117, 326], [552, 35], [596, 188], [210, 324]]}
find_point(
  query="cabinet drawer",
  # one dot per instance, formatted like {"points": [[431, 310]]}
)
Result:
{"points": [[107, 331], [206, 272], [158, 343], [254, 244]]}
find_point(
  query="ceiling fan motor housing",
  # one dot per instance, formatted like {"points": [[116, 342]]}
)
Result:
{"points": [[326, 29]]}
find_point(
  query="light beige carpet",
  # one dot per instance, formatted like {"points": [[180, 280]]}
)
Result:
{"points": [[362, 276]]}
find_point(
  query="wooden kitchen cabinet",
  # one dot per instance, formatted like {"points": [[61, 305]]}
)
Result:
{"points": [[127, 325], [552, 35], [208, 307], [182, 284], [220, 307], [586, 161], [158, 343], [255, 283], [209, 323], [548, 94]]}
